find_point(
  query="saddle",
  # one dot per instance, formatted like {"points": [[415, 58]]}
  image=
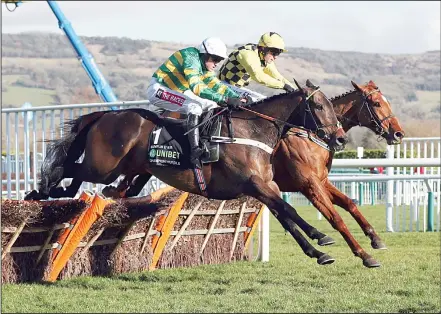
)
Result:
{"points": [[168, 146]]}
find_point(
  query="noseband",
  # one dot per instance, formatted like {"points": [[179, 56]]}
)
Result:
{"points": [[374, 119], [319, 128]]}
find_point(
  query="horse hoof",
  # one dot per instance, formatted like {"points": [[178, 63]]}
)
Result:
{"points": [[325, 259], [378, 245], [371, 263], [326, 240], [32, 196], [109, 191], [122, 194]]}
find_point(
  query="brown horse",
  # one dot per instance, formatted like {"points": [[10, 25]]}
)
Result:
{"points": [[116, 143], [303, 166]]}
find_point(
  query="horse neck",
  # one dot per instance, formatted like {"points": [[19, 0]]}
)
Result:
{"points": [[280, 107], [345, 108]]}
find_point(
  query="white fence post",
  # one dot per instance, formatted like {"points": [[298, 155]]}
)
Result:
{"points": [[264, 236], [389, 190]]}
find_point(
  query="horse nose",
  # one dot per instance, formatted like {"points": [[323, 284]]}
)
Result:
{"points": [[398, 135], [341, 140], [341, 137]]}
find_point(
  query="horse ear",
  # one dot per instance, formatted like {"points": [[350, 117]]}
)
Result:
{"points": [[309, 84], [358, 88], [297, 84], [371, 83]]}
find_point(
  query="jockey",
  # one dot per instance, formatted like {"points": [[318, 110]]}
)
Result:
{"points": [[186, 83], [255, 62]]}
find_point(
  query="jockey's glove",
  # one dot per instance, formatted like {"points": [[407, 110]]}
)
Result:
{"points": [[288, 88], [233, 103], [249, 100]]}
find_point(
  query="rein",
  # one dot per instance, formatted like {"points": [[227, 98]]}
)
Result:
{"points": [[205, 121], [266, 117], [274, 119], [319, 128], [312, 94]]}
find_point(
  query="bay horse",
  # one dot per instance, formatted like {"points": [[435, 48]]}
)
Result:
{"points": [[116, 142], [302, 165]]}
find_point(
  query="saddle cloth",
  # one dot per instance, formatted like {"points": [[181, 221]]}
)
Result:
{"points": [[168, 146]]}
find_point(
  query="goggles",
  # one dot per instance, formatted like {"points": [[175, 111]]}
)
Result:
{"points": [[216, 59], [274, 51]]}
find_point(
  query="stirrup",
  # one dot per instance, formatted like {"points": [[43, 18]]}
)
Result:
{"points": [[196, 154]]}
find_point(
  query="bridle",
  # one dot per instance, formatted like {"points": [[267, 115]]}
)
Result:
{"points": [[319, 129], [373, 116]]}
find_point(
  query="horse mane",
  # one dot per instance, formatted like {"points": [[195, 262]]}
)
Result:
{"points": [[274, 97], [342, 95]]}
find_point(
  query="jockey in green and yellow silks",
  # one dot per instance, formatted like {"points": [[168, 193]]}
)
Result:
{"points": [[186, 83]]}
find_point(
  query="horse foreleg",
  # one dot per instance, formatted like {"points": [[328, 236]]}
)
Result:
{"points": [[312, 232], [340, 199], [120, 190], [317, 194], [136, 187], [280, 209]]}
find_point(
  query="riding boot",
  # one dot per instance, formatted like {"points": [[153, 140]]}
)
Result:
{"points": [[193, 138]]}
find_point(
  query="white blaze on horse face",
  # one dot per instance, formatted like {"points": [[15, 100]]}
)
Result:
{"points": [[385, 99]]}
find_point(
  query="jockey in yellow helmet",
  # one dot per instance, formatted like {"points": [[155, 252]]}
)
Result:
{"points": [[256, 62]]}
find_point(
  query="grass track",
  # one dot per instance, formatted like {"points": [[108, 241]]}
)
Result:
{"points": [[407, 282]]}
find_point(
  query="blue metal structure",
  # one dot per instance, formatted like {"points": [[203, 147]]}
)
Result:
{"points": [[102, 88], [100, 84]]}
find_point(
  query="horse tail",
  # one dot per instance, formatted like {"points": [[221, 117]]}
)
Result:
{"points": [[66, 150]]}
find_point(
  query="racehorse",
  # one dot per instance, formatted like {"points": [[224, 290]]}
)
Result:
{"points": [[302, 165], [116, 143]]}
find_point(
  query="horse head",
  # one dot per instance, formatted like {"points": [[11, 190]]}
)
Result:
{"points": [[319, 116], [376, 114]]}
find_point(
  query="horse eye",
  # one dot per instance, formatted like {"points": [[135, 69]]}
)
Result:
{"points": [[319, 107], [376, 104]]}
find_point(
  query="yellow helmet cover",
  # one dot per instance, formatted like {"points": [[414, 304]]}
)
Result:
{"points": [[272, 40]]}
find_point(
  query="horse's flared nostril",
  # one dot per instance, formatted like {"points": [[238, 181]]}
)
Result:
{"points": [[341, 140], [398, 135]]}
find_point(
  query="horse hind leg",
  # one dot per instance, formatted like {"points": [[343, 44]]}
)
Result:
{"points": [[312, 232], [320, 199], [69, 191], [48, 181], [58, 174], [340, 199], [261, 191], [48, 186], [51, 175]]}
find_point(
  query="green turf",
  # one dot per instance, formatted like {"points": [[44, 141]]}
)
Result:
{"points": [[407, 282]]}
